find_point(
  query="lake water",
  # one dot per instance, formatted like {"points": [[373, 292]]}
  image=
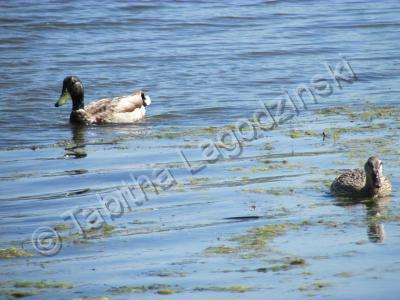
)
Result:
{"points": [[257, 220]]}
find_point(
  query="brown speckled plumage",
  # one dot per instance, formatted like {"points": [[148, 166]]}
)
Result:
{"points": [[359, 183]]}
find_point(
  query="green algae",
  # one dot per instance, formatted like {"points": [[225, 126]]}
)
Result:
{"points": [[14, 252], [330, 172], [255, 190], [211, 130], [126, 289], [330, 224], [296, 134], [378, 112], [234, 169], [307, 273], [161, 289], [297, 261], [166, 135], [344, 274], [166, 291], [94, 298], [168, 274], [62, 227], [269, 165], [269, 161], [275, 191], [107, 229], [178, 188], [222, 249], [333, 111], [195, 181], [19, 293], [255, 243], [337, 132], [290, 264], [42, 284], [275, 268], [257, 238], [316, 285], [101, 231], [77, 238], [251, 255], [232, 289]]}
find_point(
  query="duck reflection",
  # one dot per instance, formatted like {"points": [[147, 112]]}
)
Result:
{"points": [[76, 148], [375, 208]]}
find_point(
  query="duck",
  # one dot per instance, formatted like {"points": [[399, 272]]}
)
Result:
{"points": [[123, 109], [367, 183]]}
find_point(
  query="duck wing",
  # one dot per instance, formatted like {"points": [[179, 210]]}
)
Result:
{"points": [[124, 109], [349, 183], [131, 102]]}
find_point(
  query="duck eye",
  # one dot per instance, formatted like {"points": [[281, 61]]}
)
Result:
{"points": [[143, 96]]}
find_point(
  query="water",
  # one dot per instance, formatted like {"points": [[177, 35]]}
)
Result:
{"points": [[205, 66]]}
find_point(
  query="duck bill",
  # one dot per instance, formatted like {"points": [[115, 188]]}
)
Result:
{"points": [[65, 96]]}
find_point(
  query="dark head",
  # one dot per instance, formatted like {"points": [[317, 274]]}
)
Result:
{"points": [[374, 172], [72, 89]]}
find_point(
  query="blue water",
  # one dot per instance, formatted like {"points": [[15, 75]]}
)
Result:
{"points": [[205, 65]]}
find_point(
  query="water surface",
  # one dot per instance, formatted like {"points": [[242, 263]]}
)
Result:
{"points": [[206, 66]]}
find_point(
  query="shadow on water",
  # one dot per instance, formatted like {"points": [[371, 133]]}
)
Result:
{"points": [[76, 149], [375, 208]]}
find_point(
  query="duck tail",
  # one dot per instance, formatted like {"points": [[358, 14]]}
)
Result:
{"points": [[146, 99]]}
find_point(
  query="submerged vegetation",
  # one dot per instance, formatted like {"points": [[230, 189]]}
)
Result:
{"points": [[316, 285], [333, 111], [274, 191], [42, 284], [14, 252], [257, 238], [222, 249], [22, 289], [19, 293], [232, 288], [292, 263], [295, 134], [161, 289]]}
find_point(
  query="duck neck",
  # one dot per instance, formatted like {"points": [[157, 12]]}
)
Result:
{"points": [[369, 188], [77, 102]]}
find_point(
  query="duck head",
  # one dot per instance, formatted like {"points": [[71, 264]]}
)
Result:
{"points": [[72, 89], [374, 172]]}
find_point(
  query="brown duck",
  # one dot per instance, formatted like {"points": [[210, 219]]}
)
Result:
{"points": [[367, 183]]}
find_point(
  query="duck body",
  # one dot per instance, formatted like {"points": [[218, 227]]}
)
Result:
{"points": [[123, 109], [367, 183]]}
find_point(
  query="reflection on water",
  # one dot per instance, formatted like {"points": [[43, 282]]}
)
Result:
{"points": [[375, 208], [376, 228], [76, 147]]}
